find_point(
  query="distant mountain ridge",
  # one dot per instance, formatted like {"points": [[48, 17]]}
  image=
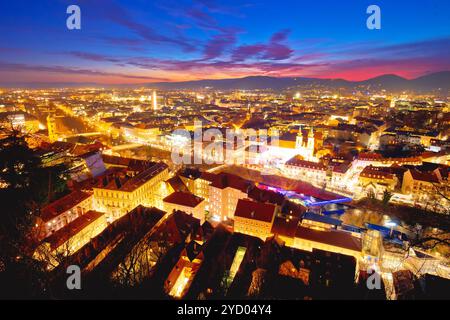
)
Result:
{"points": [[389, 82]]}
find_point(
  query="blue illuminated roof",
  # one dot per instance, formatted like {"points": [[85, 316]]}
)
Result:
{"points": [[320, 218], [386, 232]]}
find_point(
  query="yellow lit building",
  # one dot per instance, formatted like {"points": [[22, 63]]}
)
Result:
{"points": [[198, 182], [304, 238], [254, 218], [224, 193], [186, 202], [71, 238], [61, 212], [120, 193], [221, 191], [312, 172], [142, 132], [180, 278], [334, 241], [19, 120], [52, 128], [378, 175]]}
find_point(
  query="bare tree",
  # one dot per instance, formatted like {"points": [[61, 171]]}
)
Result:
{"points": [[442, 197], [142, 259]]}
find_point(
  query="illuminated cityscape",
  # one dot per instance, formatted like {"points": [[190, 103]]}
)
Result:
{"points": [[219, 184]]}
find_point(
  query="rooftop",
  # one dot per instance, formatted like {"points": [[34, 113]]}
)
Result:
{"points": [[298, 162], [63, 204], [320, 218], [130, 183], [378, 172], [424, 176], [64, 234], [132, 164], [177, 184], [333, 238], [255, 210], [224, 180], [285, 227], [183, 199]]}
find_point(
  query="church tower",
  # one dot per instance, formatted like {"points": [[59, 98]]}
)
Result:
{"points": [[310, 143], [154, 100], [51, 128], [249, 112], [299, 139]]}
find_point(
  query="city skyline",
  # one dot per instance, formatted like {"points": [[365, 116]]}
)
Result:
{"points": [[123, 42], [233, 152]]}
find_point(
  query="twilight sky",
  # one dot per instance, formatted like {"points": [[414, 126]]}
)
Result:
{"points": [[175, 40]]}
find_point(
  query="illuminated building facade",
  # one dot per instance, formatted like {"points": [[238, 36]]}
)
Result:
{"points": [[186, 202], [71, 238], [52, 128], [322, 237], [198, 183], [378, 175], [314, 173], [62, 212], [19, 120], [423, 183], [141, 133], [254, 218], [319, 222], [333, 241], [121, 193], [154, 100], [224, 193], [180, 278], [221, 191], [305, 149]]}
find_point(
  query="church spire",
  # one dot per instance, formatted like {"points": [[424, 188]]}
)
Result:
{"points": [[311, 133]]}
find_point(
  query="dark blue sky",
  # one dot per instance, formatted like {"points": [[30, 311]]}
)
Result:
{"points": [[144, 41]]}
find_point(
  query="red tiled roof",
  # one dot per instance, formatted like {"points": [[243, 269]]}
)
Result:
{"points": [[285, 227], [377, 172], [132, 164], [224, 180], [341, 168], [123, 182], [63, 204], [177, 184], [90, 183], [378, 157], [370, 156], [261, 195], [177, 226], [424, 176], [334, 238], [307, 189], [221, 180], [183, 199], [255, 210], [67, 232], [208, 176], [82, 149], [297, 162]]}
